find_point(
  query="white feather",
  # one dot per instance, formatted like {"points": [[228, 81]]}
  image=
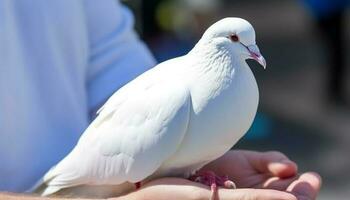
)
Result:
{"points": [[170, 121]]}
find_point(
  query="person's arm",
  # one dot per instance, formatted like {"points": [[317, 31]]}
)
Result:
{"points": [[22, 196], [258, 175], [116, 54]]}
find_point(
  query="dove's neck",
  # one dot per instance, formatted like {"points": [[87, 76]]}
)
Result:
{"points": [[214, 68]]}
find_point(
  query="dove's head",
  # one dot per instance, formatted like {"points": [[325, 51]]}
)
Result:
{"points": [[237, 35]]}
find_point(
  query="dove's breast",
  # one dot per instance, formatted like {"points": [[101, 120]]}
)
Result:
{"points": [[218, 125]]}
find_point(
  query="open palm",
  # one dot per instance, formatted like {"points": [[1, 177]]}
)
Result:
{"points": [[266, 170]]}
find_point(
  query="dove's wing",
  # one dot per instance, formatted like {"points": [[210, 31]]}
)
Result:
{"points": [[135, 132]]}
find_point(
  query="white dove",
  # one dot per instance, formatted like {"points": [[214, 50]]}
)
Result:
{"points": [[169, 121]]}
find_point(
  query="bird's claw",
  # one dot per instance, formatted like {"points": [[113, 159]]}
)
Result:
{"points": [[212, 180], [229, 184]]}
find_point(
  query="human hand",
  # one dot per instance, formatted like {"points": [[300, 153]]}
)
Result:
{"points": [[269, 170], [174, 189], [259, 176], [183, 189]]}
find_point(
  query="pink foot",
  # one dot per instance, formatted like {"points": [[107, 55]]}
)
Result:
{"points": [[138, 185], [212, 180]]}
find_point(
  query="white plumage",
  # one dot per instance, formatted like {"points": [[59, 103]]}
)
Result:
{"points": [[169, 121]]}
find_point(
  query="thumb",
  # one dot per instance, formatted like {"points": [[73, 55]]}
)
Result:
{"points": [[307, 186]]}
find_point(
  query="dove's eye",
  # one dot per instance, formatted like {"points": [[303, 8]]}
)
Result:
{"points": [[234, 38]]}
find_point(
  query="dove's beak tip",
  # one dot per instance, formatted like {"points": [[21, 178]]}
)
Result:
{"points": [[261, 60], [256, 55]]}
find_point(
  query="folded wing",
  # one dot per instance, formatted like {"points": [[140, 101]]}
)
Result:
{"points": [[135, 132]]}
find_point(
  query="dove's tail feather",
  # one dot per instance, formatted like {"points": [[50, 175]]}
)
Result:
{"points": [[51, 183], [56, 183], [61, 185], [95, 191], [49, 190], [40, 185], [51, 187], [36, 186], [86, 191]]}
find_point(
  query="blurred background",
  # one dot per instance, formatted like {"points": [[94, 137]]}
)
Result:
{"points": [[304, 106]]}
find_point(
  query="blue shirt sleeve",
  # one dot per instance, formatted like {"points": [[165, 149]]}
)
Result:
{"points": [[117, 55]]}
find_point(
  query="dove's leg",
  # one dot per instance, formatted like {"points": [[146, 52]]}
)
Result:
{"points": [[209, 178], [138, 185]]}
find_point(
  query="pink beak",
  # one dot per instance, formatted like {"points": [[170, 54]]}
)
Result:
{"points": [[256, 55]]}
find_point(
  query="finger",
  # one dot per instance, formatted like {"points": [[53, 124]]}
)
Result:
{"points": [[277, 183], [307, 186], [254, 194], [272, 162]]}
